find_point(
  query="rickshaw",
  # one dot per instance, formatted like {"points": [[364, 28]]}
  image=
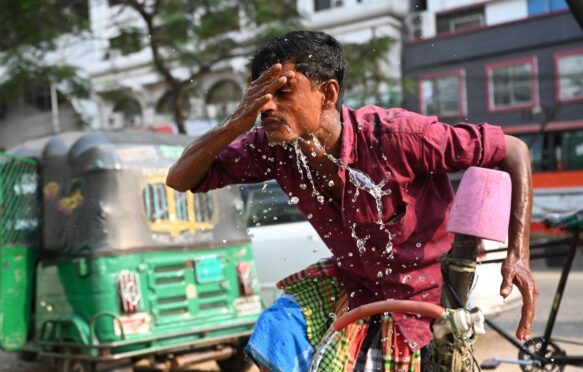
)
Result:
{"points": [[104, 265]]}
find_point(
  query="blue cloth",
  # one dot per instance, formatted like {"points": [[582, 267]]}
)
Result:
{"points": [[279, 340]]}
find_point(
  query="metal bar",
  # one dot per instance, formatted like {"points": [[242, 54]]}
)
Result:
{"points": [[150, 350], [513, 341], [532, 257], [568, 360], [560, 289], [147, 339]]}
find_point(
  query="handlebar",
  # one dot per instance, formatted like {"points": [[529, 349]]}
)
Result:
{"points": [[458, 321], [379, 307]]}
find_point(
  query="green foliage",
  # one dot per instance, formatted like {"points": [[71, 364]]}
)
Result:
{"points": [[202, 35], [366, 71], [30, 29]]}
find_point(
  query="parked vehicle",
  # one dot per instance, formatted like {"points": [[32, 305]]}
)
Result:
{"points": [[103, 264], [284, 242]]}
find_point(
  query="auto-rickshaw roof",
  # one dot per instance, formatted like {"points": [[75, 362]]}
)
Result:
{"points": [[106, 150], [114, 150]]}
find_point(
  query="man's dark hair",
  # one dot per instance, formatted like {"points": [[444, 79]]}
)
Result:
{"points": [[315, 54]]}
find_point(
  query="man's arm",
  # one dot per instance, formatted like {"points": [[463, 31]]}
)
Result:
{"points": [[516, 267], [196, 159]]}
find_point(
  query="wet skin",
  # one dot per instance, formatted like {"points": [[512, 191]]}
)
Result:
{"points": [[304, 110], [294, 108]]}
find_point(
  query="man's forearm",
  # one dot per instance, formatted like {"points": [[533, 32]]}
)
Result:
{"points": [[517, 164], [196, 159]]}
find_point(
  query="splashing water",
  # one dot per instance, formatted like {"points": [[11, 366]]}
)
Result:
{"points": [[302, 161], [329, 337], [359, 242]]}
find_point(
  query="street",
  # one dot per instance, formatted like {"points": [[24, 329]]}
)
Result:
{"points": [[569, 326]]}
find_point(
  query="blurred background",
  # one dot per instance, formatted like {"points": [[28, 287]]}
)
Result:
{"points": [[181, 66]]}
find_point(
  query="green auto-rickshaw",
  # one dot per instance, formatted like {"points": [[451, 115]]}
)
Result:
{"points": [[103, 264]]}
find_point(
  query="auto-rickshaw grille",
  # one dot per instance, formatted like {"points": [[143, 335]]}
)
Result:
{"points": [[188, 289]]}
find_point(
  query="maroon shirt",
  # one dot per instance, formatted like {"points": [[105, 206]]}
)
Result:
{"points": [[415, 151]]}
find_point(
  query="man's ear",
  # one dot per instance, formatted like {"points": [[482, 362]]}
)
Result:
{"points": [[330, 89]]}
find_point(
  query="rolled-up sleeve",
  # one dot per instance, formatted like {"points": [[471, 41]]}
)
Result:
{"points": [[241, 162], [450, 148]]}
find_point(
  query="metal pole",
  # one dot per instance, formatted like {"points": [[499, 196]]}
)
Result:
{"points": [[55, 108]]}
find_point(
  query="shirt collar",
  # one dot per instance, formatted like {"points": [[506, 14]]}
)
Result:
{"points": [[348, 153]]}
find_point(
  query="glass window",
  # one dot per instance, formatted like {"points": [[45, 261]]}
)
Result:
{"points": [[511, 85], [155, 203], [572, 150], [460, 20], [536, 7], [441, 96], [326, 4], [203, 207], [181, 203], [570, 76], [535, 144], [267, 204]]}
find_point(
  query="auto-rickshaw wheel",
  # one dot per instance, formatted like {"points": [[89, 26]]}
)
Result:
{"points": [[71, 365], [236, 363]]}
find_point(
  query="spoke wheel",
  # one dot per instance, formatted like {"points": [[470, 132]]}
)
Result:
{"points": [[534, 346]]}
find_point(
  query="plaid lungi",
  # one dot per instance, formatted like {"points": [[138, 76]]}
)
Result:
{"points": [[371, 344]]}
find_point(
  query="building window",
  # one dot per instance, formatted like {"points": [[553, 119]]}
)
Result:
{"points": [[460, 20], [443, 94], [536, 7], [512, 84], [569, 79], [326, 4]]}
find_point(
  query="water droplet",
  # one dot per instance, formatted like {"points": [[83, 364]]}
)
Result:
{"points": [[380, 274], [406, 278], [303, 186], [352, 294], [310, 216], [418, 245], [264, 188], [330, 183], [293, 200]]}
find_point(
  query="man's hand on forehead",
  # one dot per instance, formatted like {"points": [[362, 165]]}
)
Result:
{"points": [[258, 93]]}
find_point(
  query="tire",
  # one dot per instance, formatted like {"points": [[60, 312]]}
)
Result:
{"points": [[27, 356], [534, 345], [70, 365], [236, 363]]}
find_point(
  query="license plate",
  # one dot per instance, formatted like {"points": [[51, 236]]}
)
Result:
{"points": [[248, 305], [139, 323], [209, 270]]}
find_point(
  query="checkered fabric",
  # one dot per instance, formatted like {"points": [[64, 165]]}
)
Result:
{"points": [[371, 344]]}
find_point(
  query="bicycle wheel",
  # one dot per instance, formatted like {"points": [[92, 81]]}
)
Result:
{"points": [[534, 345]]}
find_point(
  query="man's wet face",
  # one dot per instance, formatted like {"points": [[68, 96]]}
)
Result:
{"points": [[294, 110]]}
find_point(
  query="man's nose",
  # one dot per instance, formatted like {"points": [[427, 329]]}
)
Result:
{"points": [[269, 106]]}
